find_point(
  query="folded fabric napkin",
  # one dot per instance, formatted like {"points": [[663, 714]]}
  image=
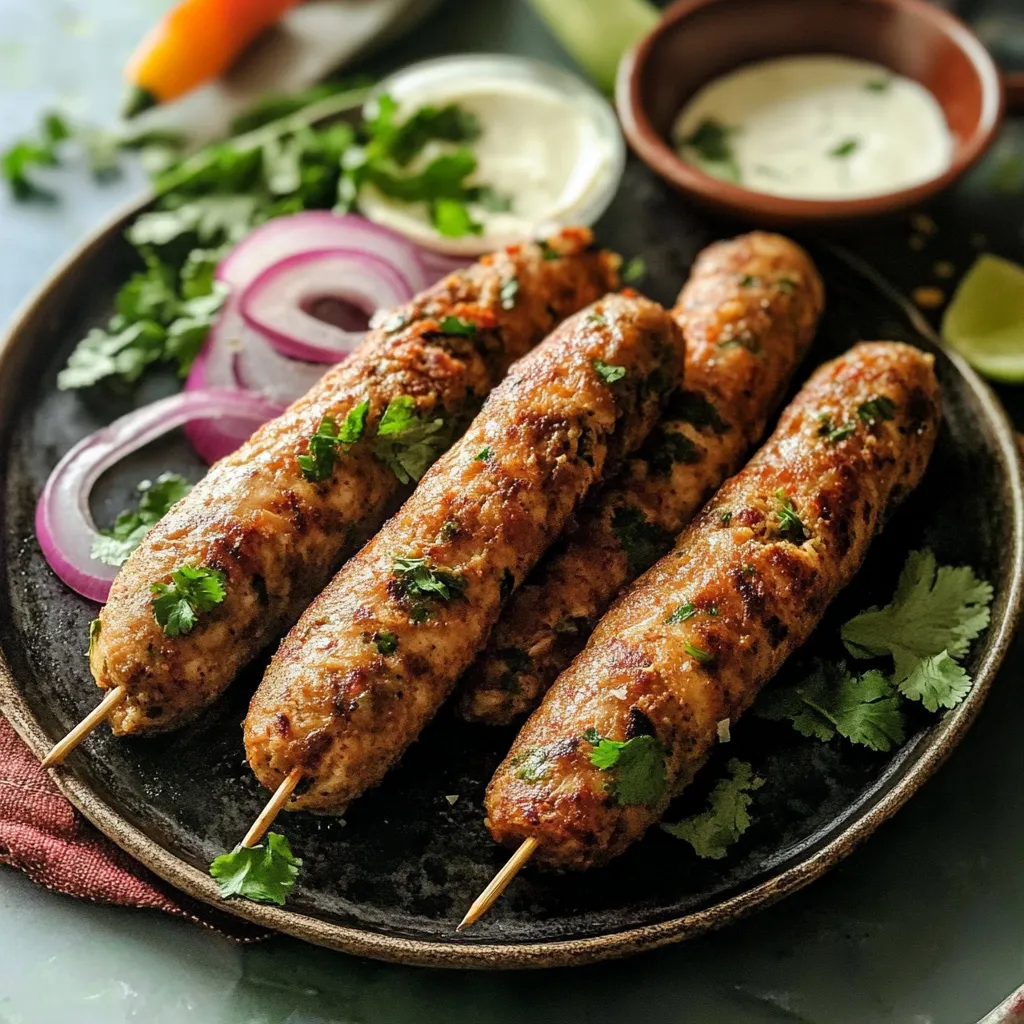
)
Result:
{"points": [[44, 836]]}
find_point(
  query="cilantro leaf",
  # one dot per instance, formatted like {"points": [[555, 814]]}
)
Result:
{"points": [[713, 150], [265, 873], [642, 541], [113, 546], [935, 609], [456, 325], [681, 614], [635, 270], [328, 442], [386, 642], [637, 767], [664, 448], [713, 831], [789, 523], [94, 635], [193, 591], [878, 408], [830, 699], [406, 443], [419, 584], [845, 148], [452, 218], [937, 682], [608, 373]]}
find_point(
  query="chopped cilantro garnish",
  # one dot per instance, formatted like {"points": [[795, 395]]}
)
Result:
{"points": [[94, 635], [407, 443], [484, 454], [844, 148], [681, 614], [725, 518], [386, 642], [193, 591], [642, 541], [113, 546], [786, 285], [421, 583], [637, 767], [328, 442], [608, 373], [531, 764], [710, 143], [713, 831], [749, 281], [789, 523], [927, 627], [449, 528], [547, 251], [509, 291], [596, 318], [456, 325], [878, 408], [699, 654], [452, 218], [878, 85], [265, 873], [747, 341], [634, 271], [833, 434]]}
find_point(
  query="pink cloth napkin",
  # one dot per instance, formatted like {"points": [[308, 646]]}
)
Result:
{"points": [[44, 836]]}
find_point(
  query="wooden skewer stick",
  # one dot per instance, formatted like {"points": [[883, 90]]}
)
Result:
{"points": [[498, 883], [274, 805], [64, 747]]}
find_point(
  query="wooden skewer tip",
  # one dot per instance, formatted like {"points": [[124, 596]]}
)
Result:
{"points": [[498, 884], [63, 747], [273, 808]]}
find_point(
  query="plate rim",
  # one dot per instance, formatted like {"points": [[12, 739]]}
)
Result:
{"points": [[360, 941]]}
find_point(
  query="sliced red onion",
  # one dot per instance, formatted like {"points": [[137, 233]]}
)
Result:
{"points": [[279, 302], [64, 524], [319, 230], [438, 265]]}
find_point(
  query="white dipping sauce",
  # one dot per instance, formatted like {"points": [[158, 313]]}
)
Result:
{"points": [[816, 127], [542, 150]]}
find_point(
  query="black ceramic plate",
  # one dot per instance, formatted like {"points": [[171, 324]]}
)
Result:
{"points": [[394, 879]]}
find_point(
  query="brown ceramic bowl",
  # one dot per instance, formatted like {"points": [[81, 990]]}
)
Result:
{"points": [[699, 40]]}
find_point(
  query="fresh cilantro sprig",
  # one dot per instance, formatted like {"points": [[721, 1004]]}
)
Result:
{"points": [[636, 766], [193, 591], [830, 699], [406, 442], [328, 442], [713, 831], [927, 628], [265, 873], [113, 546]]}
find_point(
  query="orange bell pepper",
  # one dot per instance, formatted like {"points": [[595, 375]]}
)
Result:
{"points": [[195, 41]]}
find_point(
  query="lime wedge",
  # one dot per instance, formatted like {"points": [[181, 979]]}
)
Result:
{"points": [[985, 320]]}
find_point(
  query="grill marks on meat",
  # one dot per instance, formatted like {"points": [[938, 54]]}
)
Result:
{"points": [[485, 512], [748, 313], [279, 537], [758, 592]]}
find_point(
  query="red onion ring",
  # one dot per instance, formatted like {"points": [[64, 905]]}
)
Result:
{"points": [[276, 302], [318, 230], [64, 524]]}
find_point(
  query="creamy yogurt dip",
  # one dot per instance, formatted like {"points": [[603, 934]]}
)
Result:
{"points": [[816, 127], [549, 147]]}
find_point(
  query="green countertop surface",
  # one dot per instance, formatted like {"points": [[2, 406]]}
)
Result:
{"points": [[923, 925]]}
